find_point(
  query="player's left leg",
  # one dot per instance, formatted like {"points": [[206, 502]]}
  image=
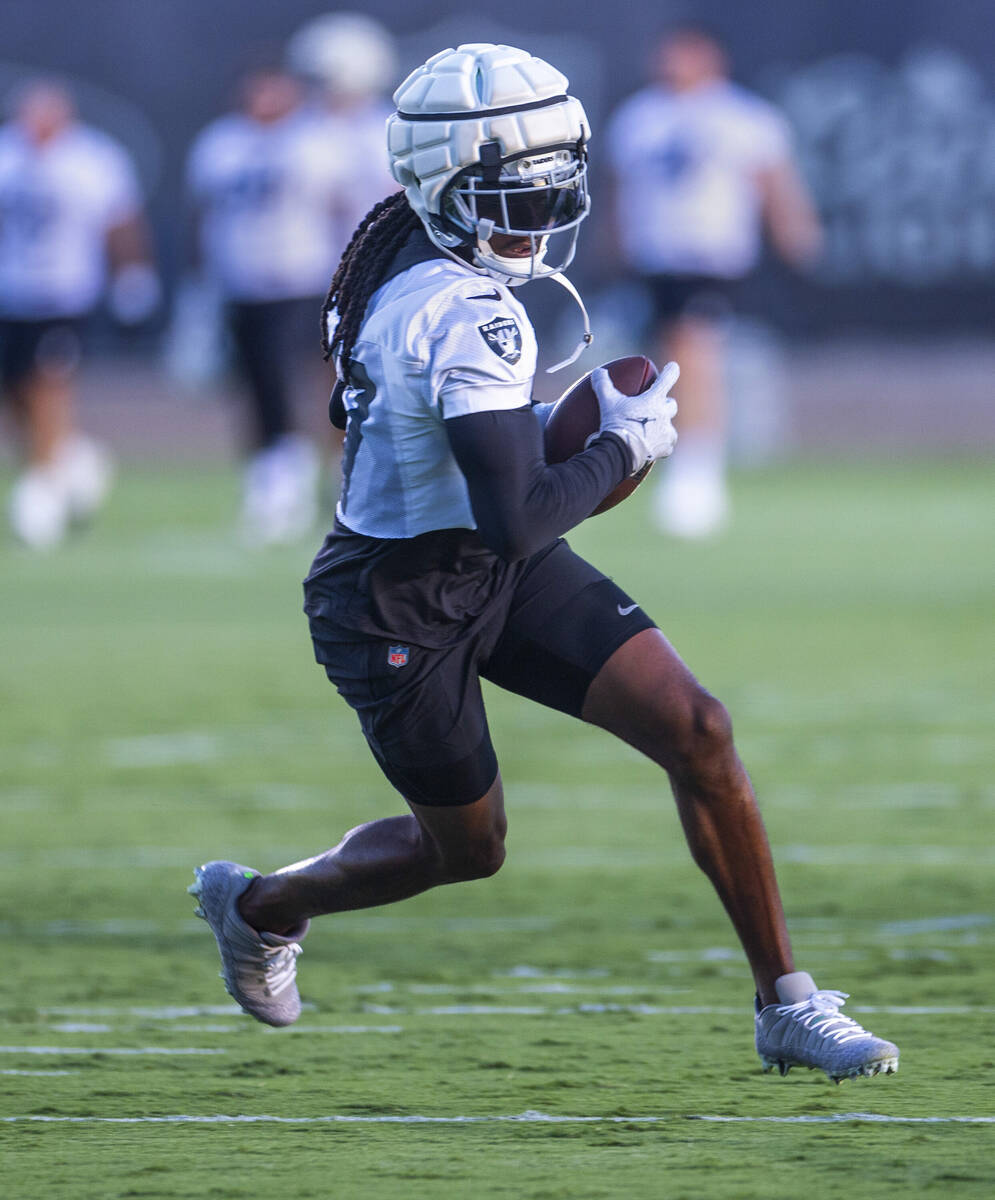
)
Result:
{"points": [[576, 642], [647, 696]]}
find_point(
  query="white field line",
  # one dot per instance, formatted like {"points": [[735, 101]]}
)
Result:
{"points": [[449, 1010], [250, 1027], [36, 1074], [866, 1118], [950, 924], [530, 989], [80, 1027], [128, 1050], [659, 1010], [164, 1012], [529, 1117], [165, 749]]}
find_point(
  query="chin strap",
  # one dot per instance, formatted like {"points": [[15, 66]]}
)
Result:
{"points": [[588, 337]]}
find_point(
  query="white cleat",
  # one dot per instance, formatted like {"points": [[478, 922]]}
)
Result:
{"points": [[259, 969], [38, 509], [85, 470], [808, 1030]]}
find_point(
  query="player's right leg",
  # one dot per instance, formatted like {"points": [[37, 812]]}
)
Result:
{"points": [[384, 861], [422, 712]]}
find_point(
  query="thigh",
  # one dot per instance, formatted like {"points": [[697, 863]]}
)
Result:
{"points": [[566, 620], [679, 297], [421, 711], [481, 824], [646, 695], [30, 347]]}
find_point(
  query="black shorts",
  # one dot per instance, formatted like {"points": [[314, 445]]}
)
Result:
{"points": [[422, 710], [708, 297], [52, 345]]}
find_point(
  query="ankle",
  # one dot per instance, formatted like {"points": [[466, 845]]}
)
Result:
{"points": [[256, 912]]}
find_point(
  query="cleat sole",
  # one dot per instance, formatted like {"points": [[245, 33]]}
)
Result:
{"points": [[886, 1066]]}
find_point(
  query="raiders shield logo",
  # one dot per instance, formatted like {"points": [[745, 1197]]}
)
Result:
{"points": [[504, 338], [397, 656]]}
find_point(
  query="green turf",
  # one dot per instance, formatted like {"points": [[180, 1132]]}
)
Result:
{"points": [[160, 707]]}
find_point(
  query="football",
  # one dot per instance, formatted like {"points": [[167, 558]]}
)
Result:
{"points": [[577, 415]]}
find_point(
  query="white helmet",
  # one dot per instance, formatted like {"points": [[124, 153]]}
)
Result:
{"points": [[486, 141], [349, 52]]}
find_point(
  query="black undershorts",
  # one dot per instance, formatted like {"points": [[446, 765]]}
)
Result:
{"points": [[708, 297], [545, 636], [50, 345]]}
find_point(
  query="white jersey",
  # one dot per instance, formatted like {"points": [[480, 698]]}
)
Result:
{"points": [[58, 201], [687, 167], [267, 194], [360, 148], [438, 341]]}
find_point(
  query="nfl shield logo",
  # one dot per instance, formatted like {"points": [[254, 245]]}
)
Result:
{"points": [[397, 656], [504, 338]]}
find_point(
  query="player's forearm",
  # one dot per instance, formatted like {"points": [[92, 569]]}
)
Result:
{"points": [[520, 504]]}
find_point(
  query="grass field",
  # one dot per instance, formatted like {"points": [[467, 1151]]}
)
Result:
{"points": [[160, 707]]}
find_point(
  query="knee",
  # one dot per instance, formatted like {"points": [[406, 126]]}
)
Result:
{"points": [[478, 859], [705, 733]]}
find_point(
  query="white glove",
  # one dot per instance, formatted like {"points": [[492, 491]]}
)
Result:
{"points": [[643, 422]]}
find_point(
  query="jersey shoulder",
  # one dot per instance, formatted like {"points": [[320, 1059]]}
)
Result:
{"points": [[441, 293]]}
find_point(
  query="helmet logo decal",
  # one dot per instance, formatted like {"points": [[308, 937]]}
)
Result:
{"points": [[504, 338]]}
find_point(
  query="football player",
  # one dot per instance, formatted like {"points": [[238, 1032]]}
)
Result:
{"points": [[71, 229], [263, 181], [702, 168], [446, 563]]}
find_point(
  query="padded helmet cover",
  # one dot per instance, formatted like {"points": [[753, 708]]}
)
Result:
{"points": [[461, 100]]}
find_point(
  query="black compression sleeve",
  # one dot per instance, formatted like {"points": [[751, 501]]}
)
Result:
{"points": [[520, 504]]}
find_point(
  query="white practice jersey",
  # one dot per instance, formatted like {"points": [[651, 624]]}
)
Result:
{"points": [[687, 166], [58, 201], [439, 341], [267, 193], [361, 153]]}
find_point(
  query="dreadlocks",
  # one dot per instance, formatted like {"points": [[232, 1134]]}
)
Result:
{"points": [[381, 233]]}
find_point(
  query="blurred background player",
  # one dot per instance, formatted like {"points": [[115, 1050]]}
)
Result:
{"points": [[70, 207], [349, 61], [701, 167], [265, 180]]}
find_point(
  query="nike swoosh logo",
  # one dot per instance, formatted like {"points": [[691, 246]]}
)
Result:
{"points": [[495, 295], [624, 612]]}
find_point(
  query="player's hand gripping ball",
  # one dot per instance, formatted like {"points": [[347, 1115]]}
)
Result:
{"points": [[600, 402]]}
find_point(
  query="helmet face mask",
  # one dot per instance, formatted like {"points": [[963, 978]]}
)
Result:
{"points": [[530, 196]]}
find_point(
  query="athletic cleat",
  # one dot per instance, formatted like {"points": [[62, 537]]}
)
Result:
{"points": [[808, 1030], [259, 969]]}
